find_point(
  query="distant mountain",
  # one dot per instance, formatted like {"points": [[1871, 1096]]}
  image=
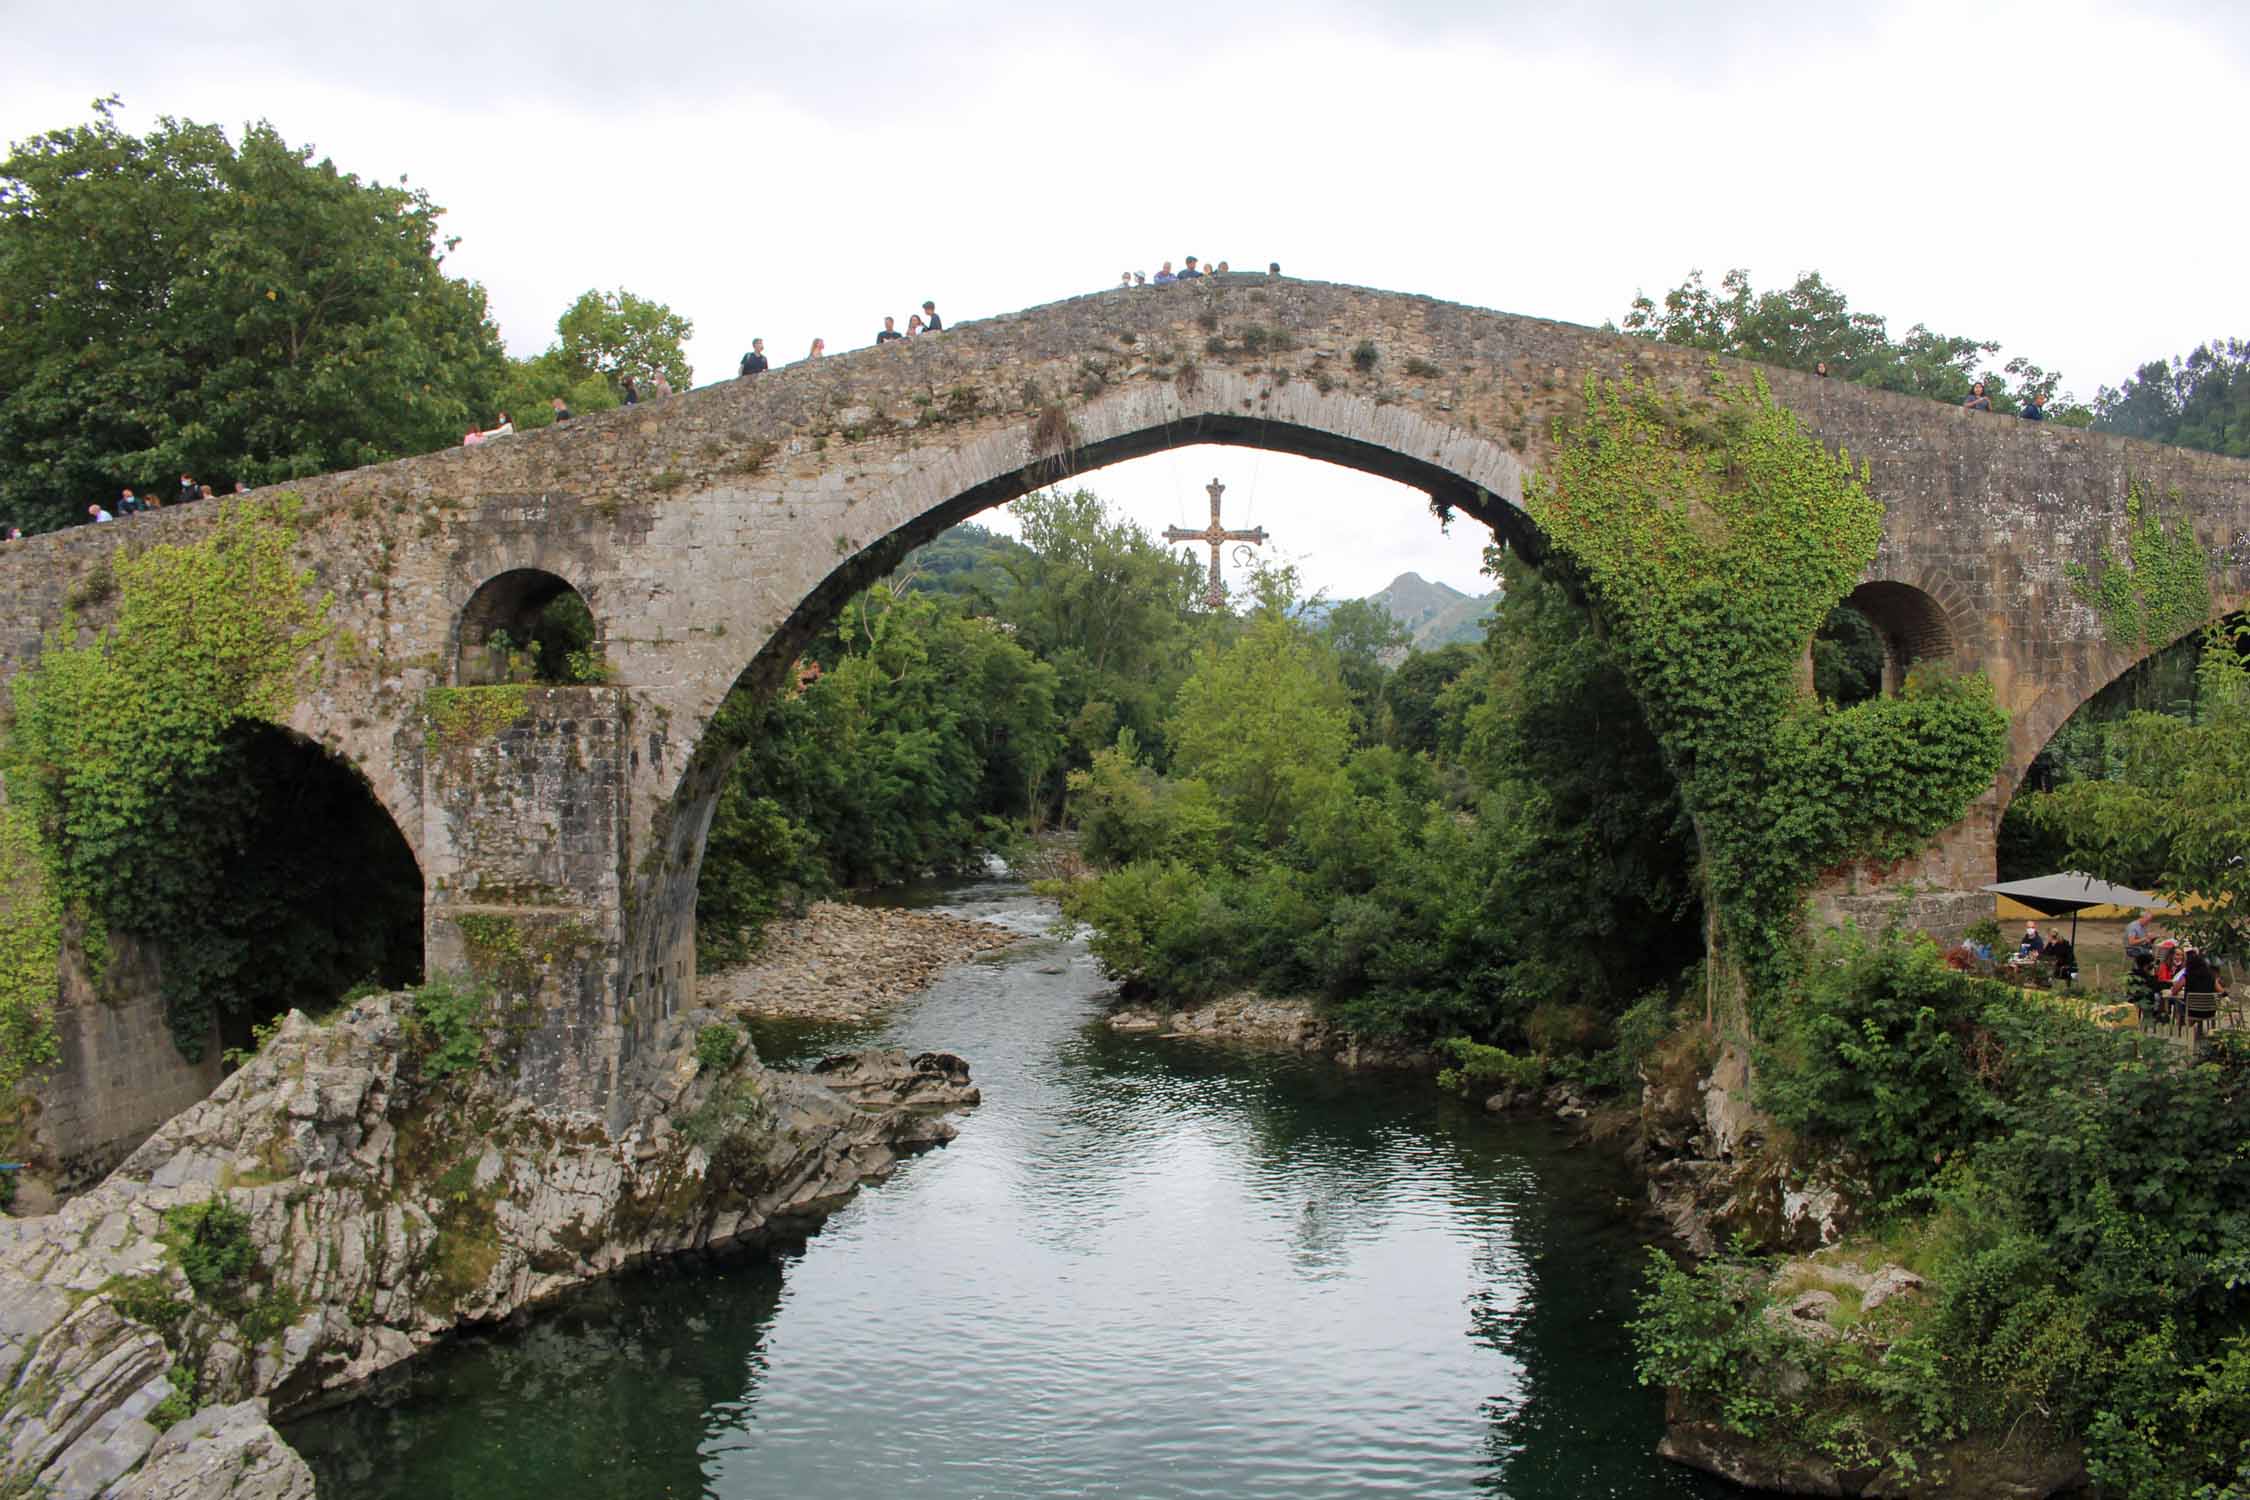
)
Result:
{"points": [[1436, 614]]}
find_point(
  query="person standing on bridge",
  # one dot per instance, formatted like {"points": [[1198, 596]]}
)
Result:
{"points": [[663, 386], [562, 408], [95, 510], [1978, 400], [188, 490], [890, 333], [128, 503], [754, 363], [819, 349], [931, 322], [914, 329], [2034, 408], [1164, 276], [1188, 272]]}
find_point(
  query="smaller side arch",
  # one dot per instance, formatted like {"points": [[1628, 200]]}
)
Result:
{"points": [[1914, 626], [508, 604]]}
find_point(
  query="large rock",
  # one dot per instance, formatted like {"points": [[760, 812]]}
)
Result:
{"points": [[387, 1208]]}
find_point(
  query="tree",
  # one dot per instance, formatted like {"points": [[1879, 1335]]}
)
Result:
{"points": [[2201, 400], [1813, 321], [616, 334], [1111, 609], [1361, 633], [1265, 719], [177, 303]]}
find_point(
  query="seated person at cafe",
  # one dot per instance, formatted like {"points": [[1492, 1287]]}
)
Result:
{"points": [[2198, 988], [2063, 955]]}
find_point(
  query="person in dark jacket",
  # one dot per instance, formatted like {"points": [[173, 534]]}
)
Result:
{"points": [[754, 363]]}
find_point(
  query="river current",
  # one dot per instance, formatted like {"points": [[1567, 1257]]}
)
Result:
{"points": [[1147, 1268]]}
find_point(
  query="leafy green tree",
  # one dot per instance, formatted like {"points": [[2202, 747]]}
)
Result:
{"points": [[2200, 400], [179, 303], [1361, 634], [1590, 856], [1412, 695], [614, 335], [920, 743], [1264, 720], [1111, 610], [1812, 321]]}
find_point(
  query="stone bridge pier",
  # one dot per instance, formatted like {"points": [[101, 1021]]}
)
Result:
{"points": [[711, 535]]}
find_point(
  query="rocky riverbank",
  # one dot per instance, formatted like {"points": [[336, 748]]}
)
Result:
{"points": [[846, 963], [343, 1202], [1253, 1020]]}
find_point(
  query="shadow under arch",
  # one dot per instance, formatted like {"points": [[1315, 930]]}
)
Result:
{"points": [[508, 610], [320, 882], [1913, 625]]}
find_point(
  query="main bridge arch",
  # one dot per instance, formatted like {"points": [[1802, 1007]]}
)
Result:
{"points": [[711, 532]]}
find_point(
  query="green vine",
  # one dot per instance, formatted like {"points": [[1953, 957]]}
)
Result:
{"points": [[30, 942], [117, 754], [457, 717], [2160, 593], [1713, 537]]}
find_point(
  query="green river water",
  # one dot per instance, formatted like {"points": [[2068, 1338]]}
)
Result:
{"points": [[1145, 1269]]}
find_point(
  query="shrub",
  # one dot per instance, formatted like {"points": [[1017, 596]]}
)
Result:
{"points": [[448, 1020], [211, 1242], [1871, 1058], [1364, 355], [717, 1047], [1479, 1069]]}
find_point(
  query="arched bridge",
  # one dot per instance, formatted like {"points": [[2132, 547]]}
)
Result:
{"points": [[713, 533]]}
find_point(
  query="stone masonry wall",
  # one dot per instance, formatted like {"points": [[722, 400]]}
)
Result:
{"points": [[714, 532], [119, 1076]]}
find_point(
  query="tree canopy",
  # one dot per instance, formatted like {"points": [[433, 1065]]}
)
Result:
{"points": [[176, 302], [2199, 400], [1811, 321]]}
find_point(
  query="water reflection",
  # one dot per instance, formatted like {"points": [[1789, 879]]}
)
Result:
{"points": [[1146, 1269]]}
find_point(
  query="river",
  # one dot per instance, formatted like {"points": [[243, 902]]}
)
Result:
{"points": [[1145, 1269]]}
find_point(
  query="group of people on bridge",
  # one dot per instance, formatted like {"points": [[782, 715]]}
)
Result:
{"points": [[917, 324], [132, 503]]}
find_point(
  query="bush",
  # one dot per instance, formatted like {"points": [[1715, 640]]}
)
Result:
{"points": [[718, 1046], [1480, 1070], [448, 1021], [211, 1242], [1871, 1057]]}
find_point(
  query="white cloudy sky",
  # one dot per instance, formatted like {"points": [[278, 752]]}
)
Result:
{"points": [[2055, 176]]}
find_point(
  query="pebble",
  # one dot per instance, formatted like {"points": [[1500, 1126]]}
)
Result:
{"points": [[845, 963]]}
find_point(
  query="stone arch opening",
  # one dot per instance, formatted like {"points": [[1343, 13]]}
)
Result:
{"points": [[322, 883], [1464, 474], [527, 625], [1913, 627]]}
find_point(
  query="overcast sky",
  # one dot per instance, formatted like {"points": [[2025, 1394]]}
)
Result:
{"points": [[2056, 176]]}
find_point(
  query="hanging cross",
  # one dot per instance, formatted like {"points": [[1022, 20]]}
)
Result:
{"points": [[1214, 596]]}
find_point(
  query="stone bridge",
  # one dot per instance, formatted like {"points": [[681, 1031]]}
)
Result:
{"points": [[714, 532]]}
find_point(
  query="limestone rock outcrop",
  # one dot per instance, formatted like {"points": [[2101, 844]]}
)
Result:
{"points": [[382, 1207]]}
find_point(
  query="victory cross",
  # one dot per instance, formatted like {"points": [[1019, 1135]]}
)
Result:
{"points": [[1214, 594]]}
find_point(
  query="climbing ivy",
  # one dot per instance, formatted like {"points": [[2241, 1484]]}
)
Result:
{"points": [[2160, 593], [1713, 536], [114, 756], [30, 937]]}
